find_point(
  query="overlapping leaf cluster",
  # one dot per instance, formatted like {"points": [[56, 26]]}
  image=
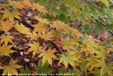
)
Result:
{"points": [[72, 46]]}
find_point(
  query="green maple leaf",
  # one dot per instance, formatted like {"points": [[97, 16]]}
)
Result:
{"points": [[68, 58], [25, 71], [104, 67], [42, 69]]}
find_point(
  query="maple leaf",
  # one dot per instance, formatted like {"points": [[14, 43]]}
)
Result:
{"points": [[84, 47], [39, 8], [27, 3], [68, 2], [46, 36], [47, 55], [102, 53], [68, 58], [11, 68], [10, 15], [22, 29], [1, 67], [39, 27], [89, 40], [68, 30], [6, 26], [104, 67], [57, 33], [92, 61], [35, 47], [42, 69], [33, 36], [6, 39], [58, 24], [75, 40], [45, 21], [67, 43], [16, 4], [25, 71], [5, 50]]}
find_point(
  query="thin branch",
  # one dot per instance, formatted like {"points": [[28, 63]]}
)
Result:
{"points": [[55, 46], [103, 25]]}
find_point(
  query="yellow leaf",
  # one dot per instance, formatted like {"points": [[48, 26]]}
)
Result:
{"points": [[68, 58], [10, 14], [58, 24], [102, 53], [104, 67], [39, 8], [6, 26], [35, 47], [1, 6], [5, 50], [11, 68], [6, 39], [47, 56], [22, 29], [39, 27], [67, 43], [84, 48], [46, 36], [89, 40], [1, 67], [68, 30], [45, 21], [92, 61], [33, 36], [16, 4], [27, 3], [33, 6]]}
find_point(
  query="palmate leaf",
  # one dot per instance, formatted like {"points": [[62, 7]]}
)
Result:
{"points": [[33, 36], [5, 50], [58, 24], [68, 2], [84, 48], [26, 71], [35, 47], [6, 39], [68, 58], [47, 56], [92, 61], [42, 69], [45, 21], [46, 36], [67, 44], [11, 68], [103, 53], [104, 67], [34, 6], [16, 4], [22, 29], [6, 26], [10, 15], [82, 65], [39, 27]]}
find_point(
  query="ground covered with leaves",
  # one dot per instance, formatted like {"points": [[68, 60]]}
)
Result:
{"points": [[56, 38]]}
